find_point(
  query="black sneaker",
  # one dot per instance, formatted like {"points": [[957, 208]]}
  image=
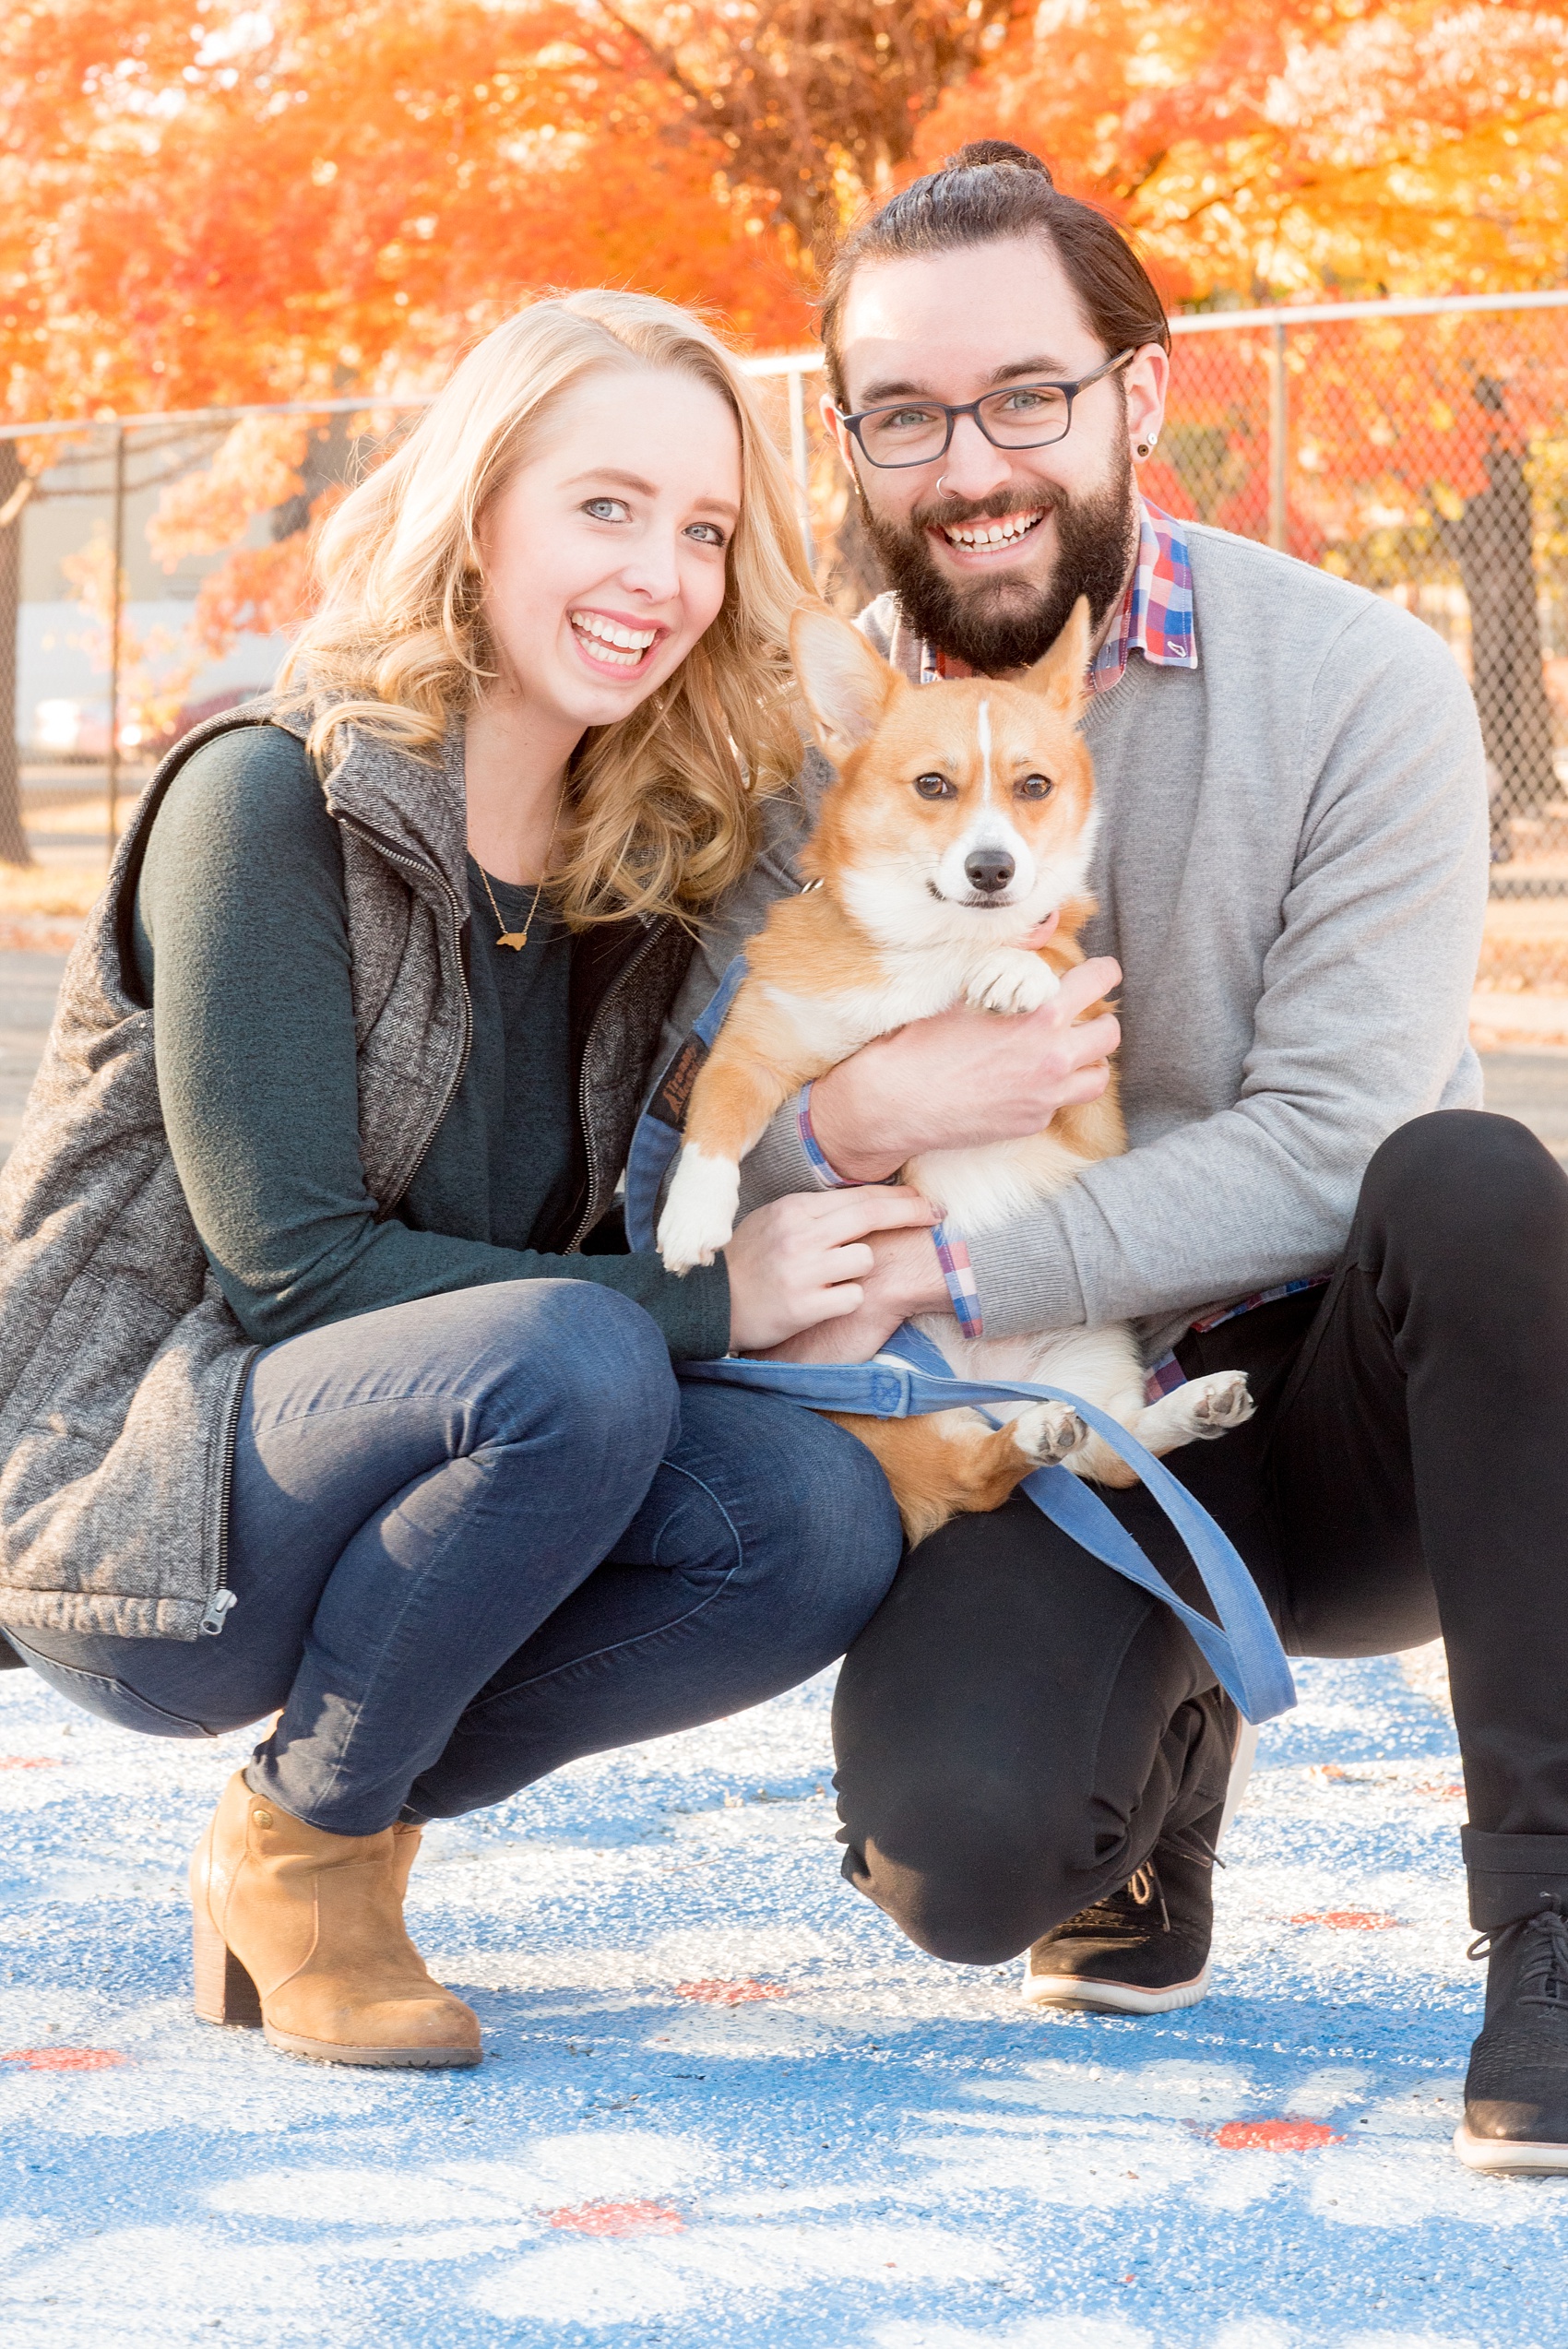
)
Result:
{"points": [[1141, 1951], [1516, 2089]]}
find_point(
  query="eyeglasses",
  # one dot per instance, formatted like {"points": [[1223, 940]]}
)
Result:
{"points": [[917, 431]]}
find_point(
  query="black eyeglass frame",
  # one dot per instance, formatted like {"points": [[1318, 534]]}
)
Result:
{"points": [[972, 407]]}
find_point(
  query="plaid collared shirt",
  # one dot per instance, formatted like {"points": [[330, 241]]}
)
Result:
{"points": [[1155, 616]]}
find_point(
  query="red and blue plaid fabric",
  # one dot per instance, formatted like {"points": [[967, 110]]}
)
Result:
{"points": [[1167, 1374], [956, 1271], [951, 1252], [827, 1174], [1156, 617]]}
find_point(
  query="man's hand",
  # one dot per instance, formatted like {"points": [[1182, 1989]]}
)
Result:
{"points": [[963, 1079], [807, 1259], [904, 1278]]}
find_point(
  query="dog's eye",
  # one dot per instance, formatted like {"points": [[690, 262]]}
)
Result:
{"points": [[935, 787], [1034, 786]]}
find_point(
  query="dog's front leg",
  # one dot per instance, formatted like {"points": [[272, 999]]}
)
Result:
{"points": [[733, 1100]]}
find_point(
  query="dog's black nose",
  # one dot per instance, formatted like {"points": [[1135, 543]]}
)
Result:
{"points": [[988, 869]]}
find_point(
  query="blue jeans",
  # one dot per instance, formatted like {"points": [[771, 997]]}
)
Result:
{"points": [[477, 1536]]}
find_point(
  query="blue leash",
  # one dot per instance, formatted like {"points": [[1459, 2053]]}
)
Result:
{"points": [[911, 1378]]}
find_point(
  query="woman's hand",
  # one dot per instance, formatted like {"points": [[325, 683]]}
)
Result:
{"points": [[905, 1278], [963, 1079], [804, 1260]]}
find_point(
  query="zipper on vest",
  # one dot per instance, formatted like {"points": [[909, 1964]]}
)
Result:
{"points": [[586, 1222], [221, 1599], [388, 849]]}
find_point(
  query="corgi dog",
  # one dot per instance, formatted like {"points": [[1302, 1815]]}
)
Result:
{"points": [[962, 819]]}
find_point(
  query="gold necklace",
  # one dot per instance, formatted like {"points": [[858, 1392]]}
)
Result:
{"points": [[518, 939]]}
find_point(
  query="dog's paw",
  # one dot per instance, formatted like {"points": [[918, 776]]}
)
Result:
{"points": [[1011, 979], [1219, 1403], [1047, 1432], [699, 1213]]}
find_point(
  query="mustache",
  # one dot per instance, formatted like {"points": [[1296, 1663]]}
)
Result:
{"points": [[952, 513]]}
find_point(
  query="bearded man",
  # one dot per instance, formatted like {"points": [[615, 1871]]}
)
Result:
{"points": [[1292, 876]]}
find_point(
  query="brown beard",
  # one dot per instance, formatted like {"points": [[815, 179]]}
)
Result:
{"points": [[1005, 622]]}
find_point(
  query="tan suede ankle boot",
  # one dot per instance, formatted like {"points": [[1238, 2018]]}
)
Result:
{"points": [[302, 1932]]}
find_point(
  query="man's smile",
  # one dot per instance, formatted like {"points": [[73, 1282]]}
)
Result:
{"points": [[988, 537]]}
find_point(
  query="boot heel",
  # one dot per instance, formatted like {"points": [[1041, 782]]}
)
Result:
{"points": [[224, 1991]]}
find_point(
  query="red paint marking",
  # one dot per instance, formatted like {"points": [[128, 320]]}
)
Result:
{"points": [[29, 1761], [1346, 1920], [65, 2058], [1275, 2136], [732, 1994], [620, 2218]]}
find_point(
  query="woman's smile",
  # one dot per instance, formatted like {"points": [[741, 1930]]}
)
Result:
{"points": [[607, 641]]}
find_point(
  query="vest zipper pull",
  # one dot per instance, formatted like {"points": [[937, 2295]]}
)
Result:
{"points": [[217, 1607]]}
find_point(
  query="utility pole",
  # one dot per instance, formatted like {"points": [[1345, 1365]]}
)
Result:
{"points": [[14, 848], [116, 617], [1279, 439]]}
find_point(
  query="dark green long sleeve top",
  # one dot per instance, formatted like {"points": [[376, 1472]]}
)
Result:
{"points": [[242, 944]]}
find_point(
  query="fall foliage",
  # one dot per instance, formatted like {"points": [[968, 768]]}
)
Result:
{"points": [[210, 202], [215, 202]]}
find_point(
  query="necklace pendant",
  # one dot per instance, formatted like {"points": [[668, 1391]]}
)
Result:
{"points": [[516, 939]]}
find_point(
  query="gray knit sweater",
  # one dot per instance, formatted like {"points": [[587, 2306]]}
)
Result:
{"points": [[1292, 874]]}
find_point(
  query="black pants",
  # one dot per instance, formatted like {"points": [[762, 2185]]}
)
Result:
{"points": [[1017, 1726]]}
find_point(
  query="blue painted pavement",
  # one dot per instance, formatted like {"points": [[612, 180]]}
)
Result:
{"points": [[725, 2106]]}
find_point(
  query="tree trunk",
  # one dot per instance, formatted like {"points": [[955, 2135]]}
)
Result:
{"points": [[329, 458], [14, 848], [1494, 543]]}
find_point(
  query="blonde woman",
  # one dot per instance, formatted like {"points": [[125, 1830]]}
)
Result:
{"points": [[322, 1388]]}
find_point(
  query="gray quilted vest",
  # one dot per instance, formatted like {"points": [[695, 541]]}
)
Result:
{"points": [[122, 1367]]}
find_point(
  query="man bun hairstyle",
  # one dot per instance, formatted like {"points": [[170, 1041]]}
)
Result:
{"points": [[989, 191]]}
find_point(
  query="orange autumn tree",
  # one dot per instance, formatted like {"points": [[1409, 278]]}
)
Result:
{"points": [[207, 203], [213, 203], [1280, 147], [1297, 149], [200, 204]]}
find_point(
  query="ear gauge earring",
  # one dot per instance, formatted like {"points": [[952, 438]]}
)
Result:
{"points": [[1145, 448]]}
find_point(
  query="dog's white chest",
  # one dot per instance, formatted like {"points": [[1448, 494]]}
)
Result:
{"points": [[916, 986]]}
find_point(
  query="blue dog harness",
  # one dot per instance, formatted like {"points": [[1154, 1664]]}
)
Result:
{"points": [[658, 1137], [911, 1378]]}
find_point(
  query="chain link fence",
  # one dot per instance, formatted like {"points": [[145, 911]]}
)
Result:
{"points": [[1420, 450], [153, 565]]}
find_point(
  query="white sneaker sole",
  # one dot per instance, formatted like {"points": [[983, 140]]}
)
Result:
{"points": [[1110, 1998], [1507, 2157]]}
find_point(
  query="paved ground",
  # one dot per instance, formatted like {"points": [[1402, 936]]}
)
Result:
{"points": [[28, 988], [724, 2106], [1534, 1086]]}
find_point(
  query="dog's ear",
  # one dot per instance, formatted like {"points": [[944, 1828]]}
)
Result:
{"points": [[847, 683], [1059, 675]]}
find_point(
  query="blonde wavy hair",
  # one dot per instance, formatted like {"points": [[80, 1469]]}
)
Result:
{"points": [[663, 806]]}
